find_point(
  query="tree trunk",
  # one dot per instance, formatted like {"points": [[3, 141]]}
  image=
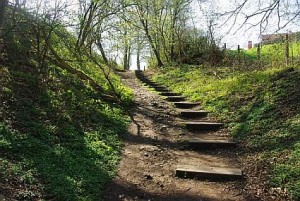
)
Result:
{"points": [[156, 52], [154, 49], [138, 52], [128, 57], [3, 5], [99, 45], [64, 65], [125, 58]]}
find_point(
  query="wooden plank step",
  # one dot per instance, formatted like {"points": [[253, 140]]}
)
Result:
{"points": [[138, 72], [160, 89], [154, 85], [149, 82], [170, 94], [193, 114], [196, 143], [143, 79], [185, 105], [208, 172], [163, 90], [175, 98], [202, 126]]}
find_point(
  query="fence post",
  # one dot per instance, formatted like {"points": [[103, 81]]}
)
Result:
{"points": [[239, 54], [258, 54], [287, 50]]}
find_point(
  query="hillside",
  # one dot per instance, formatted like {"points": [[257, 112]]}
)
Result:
{"points": [[60, 118], [261, 108]]}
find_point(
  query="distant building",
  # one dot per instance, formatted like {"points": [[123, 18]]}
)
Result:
{"points": [[279, 37], [250, 45]]}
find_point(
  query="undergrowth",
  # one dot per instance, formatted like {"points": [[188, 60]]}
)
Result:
{"points": [[260, 107], [59, 139]]}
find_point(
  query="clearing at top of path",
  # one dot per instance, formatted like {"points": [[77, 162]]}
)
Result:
{"points": [[153, 148]]}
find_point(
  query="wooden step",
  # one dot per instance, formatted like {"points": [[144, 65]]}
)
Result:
{"points": [[196, 143], [208, 172], [185, 105], [161, 89], [164, 90], [138, 72], [170, 94], [193, 114], [143, 79], [149, 82], [175, 98], [153, 85], [202, 126]]}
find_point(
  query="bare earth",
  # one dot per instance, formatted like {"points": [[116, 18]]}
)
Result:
{"points": [[151, 153]]}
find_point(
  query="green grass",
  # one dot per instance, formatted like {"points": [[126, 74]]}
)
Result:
{"points": [[58, 139], [260, 107], [272, 55]]}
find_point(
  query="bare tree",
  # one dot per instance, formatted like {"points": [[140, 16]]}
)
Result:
{"points": [[254, 13]]}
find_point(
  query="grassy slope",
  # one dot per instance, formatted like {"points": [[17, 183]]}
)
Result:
{"points": [[262, 109], [58, 139], [271, 55]]}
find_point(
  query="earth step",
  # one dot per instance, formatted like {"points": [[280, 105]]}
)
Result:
{"points": [[140, 76], [202, 126], [153, 85], [149, 82], [170, 94], [193, 114], [207, 172], [143, 79], [160, 89], [185, 105], [209, 144], [164, 90], [175, 98]]}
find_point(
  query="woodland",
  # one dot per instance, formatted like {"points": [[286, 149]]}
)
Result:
{"points": [[64, 107]]}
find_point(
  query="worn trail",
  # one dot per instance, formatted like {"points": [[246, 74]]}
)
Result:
{"points": [[173, 151]]}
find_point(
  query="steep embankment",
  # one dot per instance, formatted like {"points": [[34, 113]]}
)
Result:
{"points": [[262, 110], [58, 129]]}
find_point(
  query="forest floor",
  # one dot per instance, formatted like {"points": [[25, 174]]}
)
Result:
{"points": [[151, 152]]}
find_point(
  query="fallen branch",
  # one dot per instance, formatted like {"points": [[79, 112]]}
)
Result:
{"points": [[64, 65]]}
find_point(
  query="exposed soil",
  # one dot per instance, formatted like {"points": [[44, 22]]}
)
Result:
{"points": [[152, 150]]}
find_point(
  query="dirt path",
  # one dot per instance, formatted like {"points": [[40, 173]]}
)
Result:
{"points": [[152, 151]]}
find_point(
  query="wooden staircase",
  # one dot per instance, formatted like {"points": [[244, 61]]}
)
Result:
{"points": [[191, 117]]}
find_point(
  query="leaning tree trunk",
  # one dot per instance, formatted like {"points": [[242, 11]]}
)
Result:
{"points": [[99, 45], [3, 5], [125, 58], [154, 49], [138, 53]]}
